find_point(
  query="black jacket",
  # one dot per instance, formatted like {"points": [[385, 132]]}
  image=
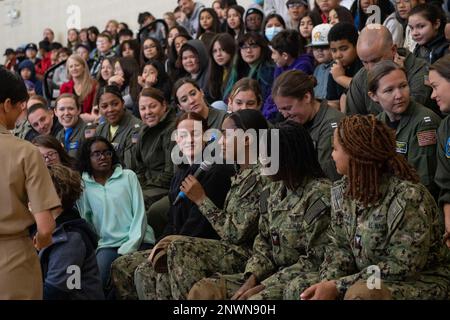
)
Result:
{"points": [[432, 51], [74, 244], [185, 218]]}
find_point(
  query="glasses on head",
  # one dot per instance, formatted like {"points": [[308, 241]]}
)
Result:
{"points": [[252, 46], [50, 156], [98, 154]]}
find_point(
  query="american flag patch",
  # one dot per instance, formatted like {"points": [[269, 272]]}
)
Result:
{"points": [[426, 138]]}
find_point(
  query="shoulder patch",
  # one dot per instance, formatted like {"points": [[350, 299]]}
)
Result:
{"points": [[337, 197], [427, 138], [315, 210], [334, 125], [263, 201], [401, 147], [395, 214], [427, 119], [447, 148]]}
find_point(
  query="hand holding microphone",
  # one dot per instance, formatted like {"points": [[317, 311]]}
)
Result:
{"points": [[191, 187]]}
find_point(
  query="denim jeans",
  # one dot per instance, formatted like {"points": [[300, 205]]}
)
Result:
{"points": [[105, 257]]}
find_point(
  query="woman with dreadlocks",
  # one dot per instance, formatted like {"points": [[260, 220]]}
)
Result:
{"points": [[383, 222]]}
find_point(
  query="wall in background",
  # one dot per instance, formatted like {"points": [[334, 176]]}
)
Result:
{"points": [[35, 15]]}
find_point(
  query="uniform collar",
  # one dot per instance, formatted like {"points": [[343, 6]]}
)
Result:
{"points": [[319, 115]]}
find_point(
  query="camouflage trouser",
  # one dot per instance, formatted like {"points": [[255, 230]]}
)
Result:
{"points": [[425, 288], [223, 287], [151, 285], [191, 259], [122, 274]]}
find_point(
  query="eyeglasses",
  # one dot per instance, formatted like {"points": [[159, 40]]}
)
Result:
{"points": [[98, 154], [52, 155], [295, 5], [249, 46], [397, 2]]}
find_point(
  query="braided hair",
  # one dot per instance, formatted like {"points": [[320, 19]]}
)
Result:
{"points": [[372, 150], [297, 156]]}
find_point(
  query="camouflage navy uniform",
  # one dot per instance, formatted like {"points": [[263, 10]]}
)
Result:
{"points": [[237, 226], [122, 274], [400, 234], [292, 237]]}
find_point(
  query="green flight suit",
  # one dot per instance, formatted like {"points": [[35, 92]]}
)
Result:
{"points": [[125, 138], [76, 139], [359, 102], [416, 140], [442, 178], [321, 129], [155, 168]]}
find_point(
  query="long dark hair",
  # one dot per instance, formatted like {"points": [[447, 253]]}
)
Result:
{"points": [[239, 9], [50, 142], [176, 69], [253, 37], [134, 45], [250, 119], [432, 13], [386, 8], [216, 23], [84, 154], [216, 81], [164, 83], [130, 69], [160, 56], [442, 66], [295, 146]]}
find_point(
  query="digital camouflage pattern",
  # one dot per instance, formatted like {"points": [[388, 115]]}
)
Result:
{"points": [[292, 231], [400, 234], [151, 285], [122, 274], [236, 224]]}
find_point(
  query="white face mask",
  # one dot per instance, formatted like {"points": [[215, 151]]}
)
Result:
{"points": [[272, 32]]}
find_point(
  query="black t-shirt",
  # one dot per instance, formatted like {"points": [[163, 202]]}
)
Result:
{"points": [[334, 90]]}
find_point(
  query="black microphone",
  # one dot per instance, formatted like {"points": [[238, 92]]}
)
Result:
{"points": [[204, 166]]}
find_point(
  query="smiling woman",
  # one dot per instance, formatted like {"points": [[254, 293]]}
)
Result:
{"points": [[293, 93], [68, 112], [80, 83], [154, 165], [121, 128]]}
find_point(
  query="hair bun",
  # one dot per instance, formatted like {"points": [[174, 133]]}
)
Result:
{"points": [[313, 80]]}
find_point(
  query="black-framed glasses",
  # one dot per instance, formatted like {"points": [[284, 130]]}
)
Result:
{"points": [[252, 46], [98, 154], [295, 5]]}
